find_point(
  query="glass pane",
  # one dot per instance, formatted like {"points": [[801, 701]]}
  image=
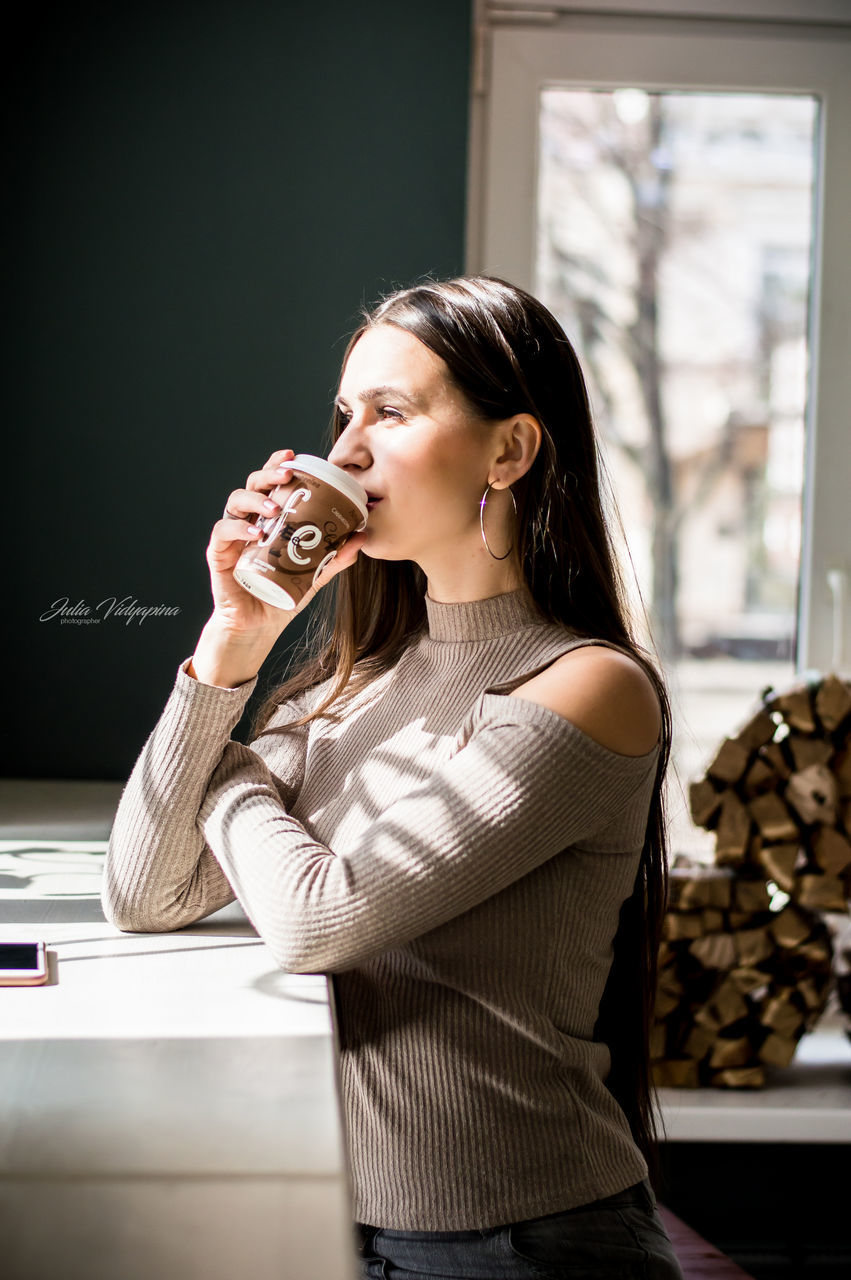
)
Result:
{"points": [[674, 238]]}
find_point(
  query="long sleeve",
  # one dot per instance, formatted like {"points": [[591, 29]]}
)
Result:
{"points": [[524, 786], [457, 857], [159, 872]]}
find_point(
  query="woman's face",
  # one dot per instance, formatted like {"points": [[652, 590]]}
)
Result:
{"points": [[413, 442]]}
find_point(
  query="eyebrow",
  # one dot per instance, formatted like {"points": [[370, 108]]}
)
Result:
{"points": [[384, 393]]}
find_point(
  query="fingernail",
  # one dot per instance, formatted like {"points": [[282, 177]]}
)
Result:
{"points": [[270, 505]]}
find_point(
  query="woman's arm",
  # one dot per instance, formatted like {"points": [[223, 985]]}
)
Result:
{"points": [[526, 784], [159, 872]]}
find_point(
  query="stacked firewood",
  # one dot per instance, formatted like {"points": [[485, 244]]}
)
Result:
{"points": [[778, 795], [739, 983], [744, 967]]}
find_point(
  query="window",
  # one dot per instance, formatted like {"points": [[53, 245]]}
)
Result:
{"points": [[677, 193]]}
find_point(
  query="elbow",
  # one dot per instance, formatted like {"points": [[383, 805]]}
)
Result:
{"points": [[294, 948], [121, 917], [129, 917], [139, 912], [294, 957], [117, 907], [308, 951]]}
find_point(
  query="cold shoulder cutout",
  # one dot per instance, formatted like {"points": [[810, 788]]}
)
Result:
{"points": [[603, 692]]}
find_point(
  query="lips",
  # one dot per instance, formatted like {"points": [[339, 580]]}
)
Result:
{"points": [[372, 501]]}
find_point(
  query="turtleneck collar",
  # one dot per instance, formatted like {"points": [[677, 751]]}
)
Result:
{"points": [[481, 619]]}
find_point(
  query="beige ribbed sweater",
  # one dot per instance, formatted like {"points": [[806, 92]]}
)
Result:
{"points": [[456, 859]]}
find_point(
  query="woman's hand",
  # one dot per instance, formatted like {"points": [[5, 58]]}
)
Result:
{"points": [[237, 609], [242, 629]]}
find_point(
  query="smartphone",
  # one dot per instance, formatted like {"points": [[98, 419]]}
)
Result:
{"points": [[22, 964]]}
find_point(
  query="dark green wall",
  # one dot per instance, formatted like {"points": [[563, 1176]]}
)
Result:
{"points": [[198, 198]]}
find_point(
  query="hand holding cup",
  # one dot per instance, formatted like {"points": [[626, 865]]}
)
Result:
{"points": [[284, 562]]}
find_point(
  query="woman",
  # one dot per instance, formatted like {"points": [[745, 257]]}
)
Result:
{"points": [[454, 809]]}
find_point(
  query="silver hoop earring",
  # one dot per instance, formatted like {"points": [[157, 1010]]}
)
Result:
{"points": [[482, 506]]}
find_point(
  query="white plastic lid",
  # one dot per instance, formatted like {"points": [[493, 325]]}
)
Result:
{"points": [[333, 475]]}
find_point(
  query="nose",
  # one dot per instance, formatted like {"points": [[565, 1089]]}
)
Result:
{"points": [[351, 448]]}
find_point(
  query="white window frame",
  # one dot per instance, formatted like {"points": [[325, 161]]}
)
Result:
{"points": [[518, 52]]}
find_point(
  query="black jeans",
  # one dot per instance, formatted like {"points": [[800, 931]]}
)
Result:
{"points": [[619, 1238]]}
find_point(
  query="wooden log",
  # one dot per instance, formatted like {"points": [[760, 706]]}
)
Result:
{"points": [[797, 709], [692, 886], [728, 1004], [821, 893], [756, 732], [708, 1016], [676, 1073], [833, 702], [740, 1078], [680, 925], [739, 920], [751, 895], [831, 850], [730, 1053], [750, 981], [807, 751], [669, 993], [845, 815], [778, 862], [780, 1014], [761, 776], [714, 950], [777, 1050], [698, 1042], [752, 946], [704, 801], [790, 927], [812, 993], [816, 950], [775, 757], [733, 831], [773, 818], [842, 771], [812, 794], [730, 762], [666, 1002], [720, 888]]}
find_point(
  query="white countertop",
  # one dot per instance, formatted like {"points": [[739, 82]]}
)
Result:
{"points": [[168, 1102], [168, 1105]]}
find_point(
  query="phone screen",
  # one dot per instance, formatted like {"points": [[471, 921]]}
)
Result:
{"points": [[19, 955], [23, 964]]}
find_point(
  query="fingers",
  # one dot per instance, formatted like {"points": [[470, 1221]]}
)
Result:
{"points": [[245, 506], [276, 471], [345, 557], [277, 458], [233, 528]]}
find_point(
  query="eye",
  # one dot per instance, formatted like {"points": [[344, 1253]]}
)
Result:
{"points": [[395, 415]]}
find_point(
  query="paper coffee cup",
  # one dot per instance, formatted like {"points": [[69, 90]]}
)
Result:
{"points": [[322, 506]]}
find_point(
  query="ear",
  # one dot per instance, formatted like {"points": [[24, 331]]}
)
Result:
{"points": [[518, 441]]}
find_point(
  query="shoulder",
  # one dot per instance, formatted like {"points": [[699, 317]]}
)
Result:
{"points": [[603, 692]]}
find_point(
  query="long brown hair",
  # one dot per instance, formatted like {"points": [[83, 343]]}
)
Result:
{"points": [[507, 354]]}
